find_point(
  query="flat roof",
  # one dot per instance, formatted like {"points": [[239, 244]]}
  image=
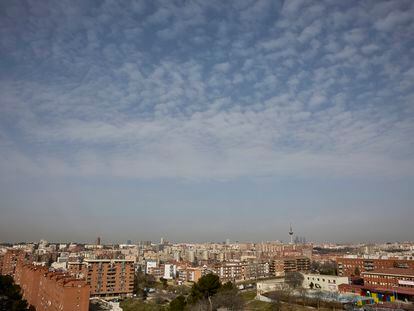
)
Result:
{"points": [[108, 260], [392, 271]]}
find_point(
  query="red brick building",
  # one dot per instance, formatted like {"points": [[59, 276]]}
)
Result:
{"points": [[1, 263], [385, 285], [348, 266], [109, 277], [59, 292], [10, 260], [51, 291], [398, 280]]}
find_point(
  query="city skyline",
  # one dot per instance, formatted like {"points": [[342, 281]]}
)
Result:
{"points": [[204, 120]]}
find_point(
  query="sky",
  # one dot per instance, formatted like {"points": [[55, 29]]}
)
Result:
{"points": [[206, 120]]}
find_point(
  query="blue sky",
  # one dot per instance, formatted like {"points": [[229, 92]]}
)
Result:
{"points": [[206, 120]]}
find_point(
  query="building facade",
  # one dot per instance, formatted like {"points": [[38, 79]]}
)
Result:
{"points": [[328, 283], [354, 266], [281, 266], [10, 261], [109, 277], [51, 291], [392, 278]]}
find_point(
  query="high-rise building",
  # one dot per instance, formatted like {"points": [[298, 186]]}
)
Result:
{"points": [[98, 240], [191, 256], [109, 277]]}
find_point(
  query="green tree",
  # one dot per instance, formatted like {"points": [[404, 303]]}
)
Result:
{"points": [[228, 286], [178, 304], [12, 297], [206, 287]]}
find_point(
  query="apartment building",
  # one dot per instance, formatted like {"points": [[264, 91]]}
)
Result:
{"points": [[10, 261], [352, 266], [281, 266], [109, 277], [189, 274], [59, 292], [229, 271], [233, 271], [51, 291], [255, 270]]}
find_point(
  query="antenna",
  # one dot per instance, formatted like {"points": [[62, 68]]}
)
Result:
{"points": [[291, 234]]}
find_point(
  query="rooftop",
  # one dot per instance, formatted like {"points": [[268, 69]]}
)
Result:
{"points": [[392, 271]]}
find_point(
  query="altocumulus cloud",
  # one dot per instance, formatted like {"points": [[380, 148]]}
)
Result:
{"points": [[207, 89]]}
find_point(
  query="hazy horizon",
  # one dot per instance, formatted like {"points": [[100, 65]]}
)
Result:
{"points": [[207, 120]]}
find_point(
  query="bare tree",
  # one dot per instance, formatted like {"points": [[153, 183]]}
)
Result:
{"points": [[294, 279]]}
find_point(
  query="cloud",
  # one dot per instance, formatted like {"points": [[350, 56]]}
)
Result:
{"points": [[177, 90], [394, 19]]}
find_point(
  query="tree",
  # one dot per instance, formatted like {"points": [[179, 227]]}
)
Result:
{"points": [[357, 272], [164, 282], [178, 304], [328, 268], [141, 282], [228, 286], [294, 279], [12, 297], [228, 297], [207, 286]]}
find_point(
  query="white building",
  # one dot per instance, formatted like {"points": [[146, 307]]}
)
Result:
{"points": [[170, 271], [150, 264], [270, 285], [323, 282]]}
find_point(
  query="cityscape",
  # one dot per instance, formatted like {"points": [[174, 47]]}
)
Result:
{"points": [[206, 155], [250, 276]]}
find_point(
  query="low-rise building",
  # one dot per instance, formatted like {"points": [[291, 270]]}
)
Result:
{"points": [[400, 281], [323, 282], [348, 266], [270, 285]]}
